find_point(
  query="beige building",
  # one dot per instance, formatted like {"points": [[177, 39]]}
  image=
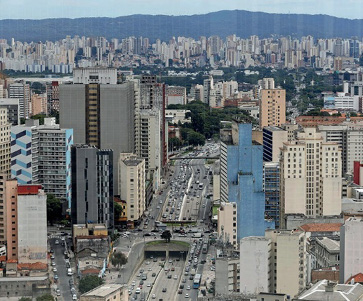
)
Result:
{"points": [[132, 184], [287, 261], [310, 176], [4, 142], [273, 139], [38, 104], [272, 107], [107, 292], [227, 223]]}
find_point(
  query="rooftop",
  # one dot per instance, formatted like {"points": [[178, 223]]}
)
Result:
{"points": [[330, 244], [103, 290], [328, 227], [356, 278], [340, 292]]}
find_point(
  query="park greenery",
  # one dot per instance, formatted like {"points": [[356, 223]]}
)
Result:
{"points": [[89, 282], [118, 259]]}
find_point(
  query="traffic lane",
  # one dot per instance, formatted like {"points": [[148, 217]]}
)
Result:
{"points": [[171, 284], [63, 281]]}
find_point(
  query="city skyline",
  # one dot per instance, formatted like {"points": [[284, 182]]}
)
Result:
{"points": [[41, 9]]}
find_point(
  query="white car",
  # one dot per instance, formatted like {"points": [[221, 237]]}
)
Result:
{"points": [[186, 295], [54, 269], [57, 242], [74, 297], [153, 296], [188, 287]]}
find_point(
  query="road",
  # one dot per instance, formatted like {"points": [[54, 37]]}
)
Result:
{"points": [[59, 259]]}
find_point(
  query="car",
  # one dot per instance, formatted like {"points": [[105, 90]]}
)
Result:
{"points": [[153, 274], [65, 253], [149, 269], [175, 276], [53, 263], [57, 292], [52, 256], [57, 242], [157, 207], [148, 285], [141, 282], [141, 271], [147, 234], [54, 269], [169, 276], [51, 251], [130, 292], [153, 296], [56, 277], [181, 286], [164, 290], [172, 269], [188, 287], [74, 297], [71, 282], [184, 280], [180, 292], [186, 295], [155, 260]]}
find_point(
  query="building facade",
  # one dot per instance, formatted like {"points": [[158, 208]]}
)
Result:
{"points": [[227, 223], [272, 107], [21, 91], [92, 185], [310, 178], [273, 138], [271, 187]]}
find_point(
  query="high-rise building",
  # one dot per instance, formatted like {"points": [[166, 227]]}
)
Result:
{"points": [[271, 187], [241, 179], [26, 221], [351, 249], [176, 95], [38, 105], [207, 87], [272, 107], [12, 105], [92, 185], [41, 154], [21, 91], [53, 96], [273, 263], [311, 182], [100, 114], [227, 223], [4, 142], [132, 185], [273, 138]]}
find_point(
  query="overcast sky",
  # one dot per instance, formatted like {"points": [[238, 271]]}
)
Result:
{"points": [[41, 9]]}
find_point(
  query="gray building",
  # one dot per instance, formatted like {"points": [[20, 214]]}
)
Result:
{"points": [[92, 185], [102, 115], [12, 104]]}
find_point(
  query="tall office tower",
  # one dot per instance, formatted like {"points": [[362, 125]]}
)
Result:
{"points": [[41, 155], [241, 179], [92, 185], [3, 208], [4, 142], [351, 249], [271, 187], [132, 185], [21, 91], [150, 125], [273, 139], [52, 90], [272, 107], [26, 223], [207, 87], [288, 266], [12, 105], [100, 114], [227, 223], [311, 182]]}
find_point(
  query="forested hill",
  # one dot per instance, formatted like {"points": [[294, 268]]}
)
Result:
{"points": [[222, 23]]}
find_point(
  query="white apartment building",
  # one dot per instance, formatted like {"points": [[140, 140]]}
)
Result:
{"points": [[97, 75], [21, 91], [311, 181], [254, 265], [32, 225], [351, 248], [132, 184], [227, 223]]}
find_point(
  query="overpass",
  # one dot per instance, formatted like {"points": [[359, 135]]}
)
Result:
{"points": [[192, 158], [174, 248]]}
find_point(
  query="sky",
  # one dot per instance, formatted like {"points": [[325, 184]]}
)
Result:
{"points": [[41, 9]]}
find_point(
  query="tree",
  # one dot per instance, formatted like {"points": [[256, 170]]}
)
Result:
{"points": [[174, 143], [54, 209], [196, 139], [46, 297], [118, 259], [117, 211], [89, 282], [25, 299], [166, 235]]}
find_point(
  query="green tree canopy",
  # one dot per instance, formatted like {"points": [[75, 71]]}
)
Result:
{"points": [[89, 282], [54, 209], [25, 299], [118, 259], [46, 297], [117, 211], [166, 235]]}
